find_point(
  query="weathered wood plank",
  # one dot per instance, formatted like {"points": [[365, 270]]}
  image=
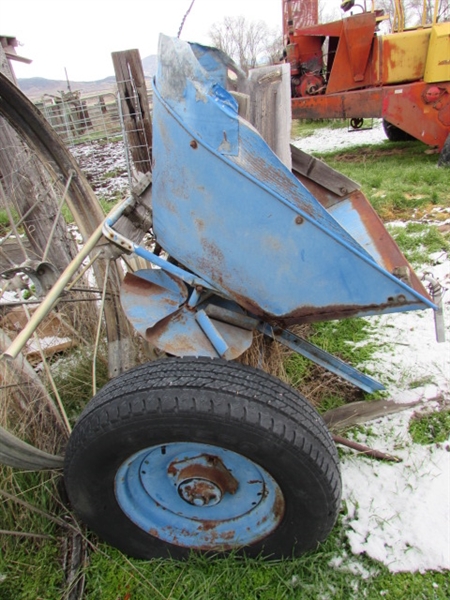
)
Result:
{"points": [[318, 172], [135, 106], [355, 413], [270, 107]]}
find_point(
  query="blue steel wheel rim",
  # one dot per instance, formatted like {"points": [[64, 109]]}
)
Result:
{"points": [[199, 496]]}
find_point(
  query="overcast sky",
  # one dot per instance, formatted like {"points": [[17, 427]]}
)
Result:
{"points": [[80, 35]]}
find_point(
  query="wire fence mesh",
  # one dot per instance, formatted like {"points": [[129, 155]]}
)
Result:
{"points": [[100, 118], [79, 119]]}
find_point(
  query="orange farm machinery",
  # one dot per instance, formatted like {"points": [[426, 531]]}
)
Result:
{"points": [[348, 69]]}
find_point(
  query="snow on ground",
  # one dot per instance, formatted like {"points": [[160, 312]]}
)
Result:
{"points": [[105, 167], [399, 513], [327, 139]]}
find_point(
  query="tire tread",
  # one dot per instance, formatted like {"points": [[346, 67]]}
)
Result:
{"points": [[260, 402]]}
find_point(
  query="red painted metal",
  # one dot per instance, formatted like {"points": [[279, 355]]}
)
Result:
{"points": [[297, 14], [407, 106], [345, 69]]}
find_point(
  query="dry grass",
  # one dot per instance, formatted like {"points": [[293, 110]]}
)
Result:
{"points": [[272, 357], [34, 388]]}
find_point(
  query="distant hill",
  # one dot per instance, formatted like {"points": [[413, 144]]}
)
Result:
{"points": [[36, 87]]}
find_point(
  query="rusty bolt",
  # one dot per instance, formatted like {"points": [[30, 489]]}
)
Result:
{"points": [[299, 220], [193, 144]]}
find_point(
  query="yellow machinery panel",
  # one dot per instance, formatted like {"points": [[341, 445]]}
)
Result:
{"points": [[438, 59], [404, 56]]}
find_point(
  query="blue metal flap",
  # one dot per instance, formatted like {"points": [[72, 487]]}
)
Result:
{"points": [[209, 110], [216, 63], [242, 221]]}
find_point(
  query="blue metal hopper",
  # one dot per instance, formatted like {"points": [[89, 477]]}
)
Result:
{"points": [[253, 246], [227, 209]]}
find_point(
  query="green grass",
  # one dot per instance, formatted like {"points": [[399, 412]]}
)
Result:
{"points": [[348, 340], [418, 240], [73, 379], [31, 570], [5, 221], [432, 428], [114, 135], [106, 205], [302, 128], [399, 179]]}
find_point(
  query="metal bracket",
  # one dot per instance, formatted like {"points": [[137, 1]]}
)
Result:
{"points": [[298, 345]]}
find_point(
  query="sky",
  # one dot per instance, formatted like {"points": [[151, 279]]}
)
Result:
{"points": [[80, 35]]}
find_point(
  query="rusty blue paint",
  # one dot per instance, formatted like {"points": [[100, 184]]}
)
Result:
{"points": [[245, 224], [322, 358], [247, 235], [149, 296], [199, 496], [212, 333]]}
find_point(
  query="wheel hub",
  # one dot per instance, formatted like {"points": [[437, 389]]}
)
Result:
{"points": [[202, 480], [200, 492], [199, 496]]}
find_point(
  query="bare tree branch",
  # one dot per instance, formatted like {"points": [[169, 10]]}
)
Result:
{"points": [[248, 43]]}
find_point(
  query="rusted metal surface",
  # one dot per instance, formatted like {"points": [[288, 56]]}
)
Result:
{"points": [[426, 118], [297, 14], [310, 247], [400, 77], [202, 480], [360, 103], [180, 335], [402, 105], [341, 197], [199, 496], [149, 296]]}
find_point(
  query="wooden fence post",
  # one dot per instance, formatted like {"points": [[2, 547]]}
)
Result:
{"points": [[135, 107]]}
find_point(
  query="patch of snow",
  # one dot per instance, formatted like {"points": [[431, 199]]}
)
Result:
{"points": [[328, 139], [105, 167], [347, 564], [409, 358], [399, 513], [47, 342]]}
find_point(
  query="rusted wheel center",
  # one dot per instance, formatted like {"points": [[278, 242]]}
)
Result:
{"points": [[200, 492], [202, 480], [199, 496]]}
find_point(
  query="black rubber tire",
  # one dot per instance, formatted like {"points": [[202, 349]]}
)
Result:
{"points": [[214, 402], [395, 134], [444, 157], [356, 123]]}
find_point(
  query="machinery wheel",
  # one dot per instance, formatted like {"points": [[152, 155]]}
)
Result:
{"points": [[36, 392], [444, 157], [356, 123], [202, 454], [395, 134]]}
